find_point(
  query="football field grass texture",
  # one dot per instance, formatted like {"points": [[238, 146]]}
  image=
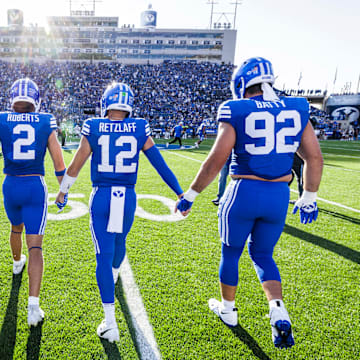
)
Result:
{"points": [[174, 264]]}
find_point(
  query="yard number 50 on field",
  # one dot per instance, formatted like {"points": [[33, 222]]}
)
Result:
{"points": [[78, 208]]}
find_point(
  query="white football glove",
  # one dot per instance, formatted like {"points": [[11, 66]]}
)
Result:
{"points": [[308, 207]]}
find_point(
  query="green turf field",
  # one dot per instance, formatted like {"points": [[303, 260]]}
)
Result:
{"points": [[175, 267]]}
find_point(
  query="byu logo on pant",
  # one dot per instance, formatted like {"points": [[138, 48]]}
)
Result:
{"points": [[118, 194]]}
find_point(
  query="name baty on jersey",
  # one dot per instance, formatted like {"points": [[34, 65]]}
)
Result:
{"points": [[270, 104]]}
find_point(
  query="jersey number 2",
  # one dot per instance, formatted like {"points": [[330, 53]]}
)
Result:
{"points": [[26, 141], [104, 166], [268, 132]]}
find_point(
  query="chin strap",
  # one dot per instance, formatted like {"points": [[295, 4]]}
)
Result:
{"points": [[268, 93]]}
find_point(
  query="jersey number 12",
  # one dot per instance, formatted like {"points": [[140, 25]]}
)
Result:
{"points": [[104, 166]]}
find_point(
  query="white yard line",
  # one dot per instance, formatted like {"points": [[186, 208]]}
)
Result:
{"points": [[185, 157], [337, 147], [342, 169], [144, 334], [332, 203], [323, 200], [349, 156]]}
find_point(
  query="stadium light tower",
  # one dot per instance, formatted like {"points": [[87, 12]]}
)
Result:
{"points": [[217, 24], [212, 3], [236, 3], [83, 4]]}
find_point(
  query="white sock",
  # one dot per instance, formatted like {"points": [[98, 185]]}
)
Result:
{"points": [[279, 304], [276, 303], [109, 310], [227, 305], [17, 262], [33, 301]]}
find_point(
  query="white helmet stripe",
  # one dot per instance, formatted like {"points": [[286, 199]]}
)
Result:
{"points": [[268, 68], [21, 93], [126, 97], [262, 69]]}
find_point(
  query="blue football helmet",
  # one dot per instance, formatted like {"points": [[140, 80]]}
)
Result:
{"points": [[25, 90], [253, 71], [117, 96]]}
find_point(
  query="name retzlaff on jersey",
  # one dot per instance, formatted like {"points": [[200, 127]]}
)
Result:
{"points": [[117, 127]]}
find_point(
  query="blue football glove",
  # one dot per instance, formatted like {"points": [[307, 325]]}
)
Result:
{"points": [[63, 204], [184, 204], [187, 200], [308, 207]]}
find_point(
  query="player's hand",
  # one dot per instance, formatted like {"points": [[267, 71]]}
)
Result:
{"points": [[61, 201], [186, 201], [308, 207], [184, 206]]}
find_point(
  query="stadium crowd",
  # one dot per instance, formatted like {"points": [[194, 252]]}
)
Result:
{"points": [[164, 94]]}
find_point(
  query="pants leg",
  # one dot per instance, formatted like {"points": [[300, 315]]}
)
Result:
{"points": [[109, 246]]}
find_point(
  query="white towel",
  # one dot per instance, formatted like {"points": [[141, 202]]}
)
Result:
{"points": [[117, 204], [268, 93]]}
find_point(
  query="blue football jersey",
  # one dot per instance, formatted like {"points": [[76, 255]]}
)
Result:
{"points": [[201, 129], [24, 138], [268, 133], [115, 146], [177, 130]]}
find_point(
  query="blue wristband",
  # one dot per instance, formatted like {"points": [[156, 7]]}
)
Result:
{"points": [[158, 162], [60, 173]]}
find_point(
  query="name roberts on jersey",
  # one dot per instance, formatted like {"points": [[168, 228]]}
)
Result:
{"points": [[117, 127], [25, 117]]}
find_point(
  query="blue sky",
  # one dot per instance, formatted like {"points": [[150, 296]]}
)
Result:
{"points": [[311, 37]]}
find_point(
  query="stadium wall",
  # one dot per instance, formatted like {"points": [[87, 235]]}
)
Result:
{"points": [[109, 43]]}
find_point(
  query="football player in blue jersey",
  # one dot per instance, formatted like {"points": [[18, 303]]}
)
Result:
{"points": [[25, 134], [263, 132], [201, 133], [178, 131], [115, 141]]}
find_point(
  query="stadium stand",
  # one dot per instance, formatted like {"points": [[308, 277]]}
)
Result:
{"points": [[165, 94]]}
